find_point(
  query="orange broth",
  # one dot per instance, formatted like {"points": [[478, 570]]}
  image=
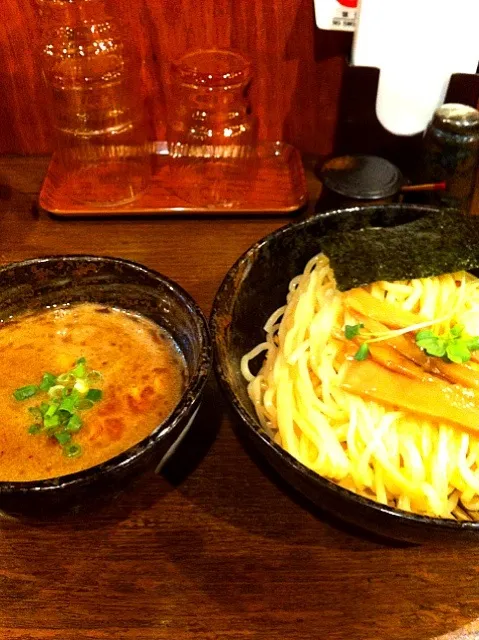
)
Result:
{"points": [[143, 375]]}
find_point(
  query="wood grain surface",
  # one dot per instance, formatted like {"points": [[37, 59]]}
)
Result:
{"points": [[297, 69], [215, 548], [304, 92]]}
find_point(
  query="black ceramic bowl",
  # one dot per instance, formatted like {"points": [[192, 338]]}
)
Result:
{"points": [[36, 283], [255, 286]]}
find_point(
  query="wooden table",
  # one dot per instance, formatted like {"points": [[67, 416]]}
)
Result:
{"points": [[213, 549]]}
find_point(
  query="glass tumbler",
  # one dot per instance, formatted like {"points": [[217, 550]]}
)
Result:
{"points": [[97, 112], [211, 133]]}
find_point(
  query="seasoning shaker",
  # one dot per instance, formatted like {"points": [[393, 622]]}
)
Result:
{"points": [[451, 154]]}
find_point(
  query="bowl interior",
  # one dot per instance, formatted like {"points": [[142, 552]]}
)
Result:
{"points": [[43, 282]]}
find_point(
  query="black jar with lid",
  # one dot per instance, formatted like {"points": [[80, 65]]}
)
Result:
{"points": [[451, 154], [358, 181]]}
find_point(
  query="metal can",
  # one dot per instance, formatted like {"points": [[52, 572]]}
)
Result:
{"points": [[451, 154]]}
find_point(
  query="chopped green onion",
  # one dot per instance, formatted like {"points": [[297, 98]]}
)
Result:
{"points": [[67, 404], [84, 405], [64, 416], [34, 429], [68, 394], [66, 379], [51, 421], [81, 386], [63, 437], [51, 411], [56, 391], [36, 413], [76, 395], [44, 408], [79, 371], [72, 451], [25, 392], [74, 423], [94, 395], [48, 381]]}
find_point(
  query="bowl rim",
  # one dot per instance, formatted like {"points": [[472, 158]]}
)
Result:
{"points": [[223, 306], [181, 411]]}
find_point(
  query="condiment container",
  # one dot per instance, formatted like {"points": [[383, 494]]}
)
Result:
{"points": [[97, 110], [451, 154], [358, 181]]}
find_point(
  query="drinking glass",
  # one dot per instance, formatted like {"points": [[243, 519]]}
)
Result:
{"points": [[97, 111], [211, 132]]}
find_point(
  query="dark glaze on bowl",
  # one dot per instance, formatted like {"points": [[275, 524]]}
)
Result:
{"points": [[254, 287], [37, 283]]}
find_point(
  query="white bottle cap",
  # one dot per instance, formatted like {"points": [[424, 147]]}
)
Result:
{"points": [[417, 46]]}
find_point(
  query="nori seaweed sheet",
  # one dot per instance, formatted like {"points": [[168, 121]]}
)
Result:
{"points": [[443, 242]]}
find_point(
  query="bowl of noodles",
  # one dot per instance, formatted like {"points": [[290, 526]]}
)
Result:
{"points": [[353, 365]]}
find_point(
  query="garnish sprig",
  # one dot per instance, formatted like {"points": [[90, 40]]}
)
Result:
{"points": [[453, 346], [351, 331], [64, 397]]}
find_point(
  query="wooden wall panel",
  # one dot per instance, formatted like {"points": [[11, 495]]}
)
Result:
{"points": [[23, 108], [298, 69]]}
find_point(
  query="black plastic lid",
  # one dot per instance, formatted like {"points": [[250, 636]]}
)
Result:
{"points": [[362, 177]]}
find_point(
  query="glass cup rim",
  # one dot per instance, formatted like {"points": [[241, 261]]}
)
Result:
{"points": [[196, 68]]}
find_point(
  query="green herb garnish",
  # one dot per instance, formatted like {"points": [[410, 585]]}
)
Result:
{"points": [[362, 353], [72, 451], [25, 392], [50, 422], [352, 330], [455, 346], [68, 404], [51, 411], [56, 391], [48, 381], [80, 368], [63, 437], [66, 378], [36, 413], [34, 429], [43, 408], [64, 396], [74, 423], [94, 395]]}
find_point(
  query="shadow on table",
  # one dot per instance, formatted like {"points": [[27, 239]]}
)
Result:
{"points": [[232, 488], [325, 517], [199, 440]]}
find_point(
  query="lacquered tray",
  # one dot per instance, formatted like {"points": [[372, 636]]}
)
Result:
{"points": [[276, 185]]}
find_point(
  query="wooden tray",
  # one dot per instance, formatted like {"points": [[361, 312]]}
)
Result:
{"points": [[276, 186]]}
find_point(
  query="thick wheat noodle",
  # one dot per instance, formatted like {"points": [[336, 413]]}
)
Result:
{"points": [[393, 457]]}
